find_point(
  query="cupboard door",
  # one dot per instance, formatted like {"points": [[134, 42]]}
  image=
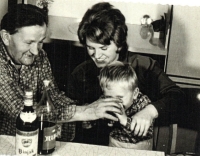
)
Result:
{"points": [[183, 63]]}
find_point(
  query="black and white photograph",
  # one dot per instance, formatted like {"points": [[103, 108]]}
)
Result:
{"points": [[99, 78]]}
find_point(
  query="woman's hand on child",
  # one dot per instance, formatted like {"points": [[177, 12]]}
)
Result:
{"points": [[142, 120]]}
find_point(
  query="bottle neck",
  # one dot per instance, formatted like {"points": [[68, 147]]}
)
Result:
{"points": [[28, 105], [28, 102], [28, 109]]}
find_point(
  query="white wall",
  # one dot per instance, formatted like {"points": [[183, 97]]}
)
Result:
{"points": [[132, 11], [3, 8]]}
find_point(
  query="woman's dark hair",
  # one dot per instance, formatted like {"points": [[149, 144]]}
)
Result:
{"points": [[23, 15], [102, 24]]}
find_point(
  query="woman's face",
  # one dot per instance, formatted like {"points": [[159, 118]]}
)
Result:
{"points": [[101, 54]]}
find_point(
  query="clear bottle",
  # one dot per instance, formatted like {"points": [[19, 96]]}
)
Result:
{"points": [[27, 128], [146, 31], [47, 123]]}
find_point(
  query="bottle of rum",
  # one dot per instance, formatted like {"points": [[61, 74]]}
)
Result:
{"points": [[27, 128], [47, 122]]}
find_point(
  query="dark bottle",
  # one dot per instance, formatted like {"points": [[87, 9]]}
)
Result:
{"points": [[26, 142], [47, 123]]}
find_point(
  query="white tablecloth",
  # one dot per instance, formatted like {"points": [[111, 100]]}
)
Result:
{"points": [[7, 147]]}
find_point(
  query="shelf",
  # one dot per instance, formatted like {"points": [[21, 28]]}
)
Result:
{"points": [[65, 28], [139, 45]]}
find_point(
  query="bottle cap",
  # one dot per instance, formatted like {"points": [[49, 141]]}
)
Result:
{"points": [[28, 97]]}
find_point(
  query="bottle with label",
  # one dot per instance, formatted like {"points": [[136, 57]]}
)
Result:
{"points": [[27, 130], [47, 123]]}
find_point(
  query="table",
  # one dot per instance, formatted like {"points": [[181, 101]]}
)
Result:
{"points": [[7, 147]]}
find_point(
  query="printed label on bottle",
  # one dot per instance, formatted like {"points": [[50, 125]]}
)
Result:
{"points": [[49, 138], [28, 117], [26, 143]]}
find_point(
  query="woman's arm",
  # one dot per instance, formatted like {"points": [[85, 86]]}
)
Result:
{"points": [[162, 91]]}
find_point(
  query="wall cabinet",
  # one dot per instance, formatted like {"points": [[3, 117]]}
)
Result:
{"points": [[183, 62]]}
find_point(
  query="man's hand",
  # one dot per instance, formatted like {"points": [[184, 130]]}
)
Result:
{"points": [[142, 120], [98, 109]]}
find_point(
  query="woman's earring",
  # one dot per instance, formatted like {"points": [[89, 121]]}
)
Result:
{"points": [[118, 50]]}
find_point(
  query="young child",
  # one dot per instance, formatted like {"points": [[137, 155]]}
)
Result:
{"points": [[120, 80]]}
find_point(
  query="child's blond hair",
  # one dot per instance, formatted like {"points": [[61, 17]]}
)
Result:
{"points": [[116, 72]]}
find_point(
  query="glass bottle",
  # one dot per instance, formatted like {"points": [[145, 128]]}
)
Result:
{"points": [[146, 31], [26, 142], [47, 122]]}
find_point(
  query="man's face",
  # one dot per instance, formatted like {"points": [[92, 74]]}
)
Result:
{"points": [[121, 90], [23, 46], [101, 54]]}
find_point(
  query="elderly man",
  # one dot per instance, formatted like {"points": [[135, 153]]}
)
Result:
{"points": [[24, 64]]}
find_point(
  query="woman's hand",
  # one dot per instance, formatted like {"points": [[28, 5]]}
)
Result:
{"points": [[142, 120]]}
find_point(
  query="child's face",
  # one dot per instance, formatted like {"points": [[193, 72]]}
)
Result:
{"points": [[120, 90]]}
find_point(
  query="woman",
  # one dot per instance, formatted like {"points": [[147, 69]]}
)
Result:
{"points": [[103, 32]]}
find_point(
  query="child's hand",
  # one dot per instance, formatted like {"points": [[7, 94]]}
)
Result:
{"points": [[122, 118]]}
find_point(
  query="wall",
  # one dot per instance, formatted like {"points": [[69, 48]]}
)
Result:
{"points": [[132, 11], [3, 8]]}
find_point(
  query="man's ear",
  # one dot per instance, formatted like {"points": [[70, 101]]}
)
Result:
{"points": [[136, 92], [5, 36]]}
